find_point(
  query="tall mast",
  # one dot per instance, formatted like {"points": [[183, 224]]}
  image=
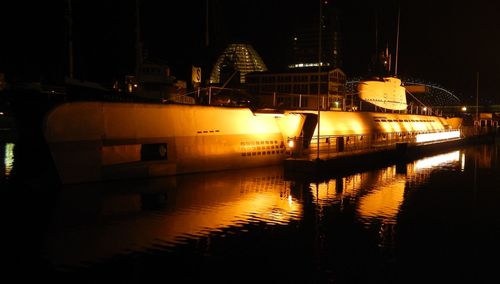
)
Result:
{"points": [[69, 17], [319, 68], [138, 46], [477, 96], [207, 39], [376, 40], [397, 48]]}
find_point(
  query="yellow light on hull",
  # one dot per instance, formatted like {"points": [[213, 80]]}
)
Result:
{"points": [[269, 114], [428, 137]]}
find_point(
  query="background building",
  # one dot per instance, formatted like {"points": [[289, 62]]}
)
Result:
{"points": [[299, 89], [304, 46], [237, 60]]}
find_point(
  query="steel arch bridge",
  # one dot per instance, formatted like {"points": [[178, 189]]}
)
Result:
{"points": [[427, 93]]}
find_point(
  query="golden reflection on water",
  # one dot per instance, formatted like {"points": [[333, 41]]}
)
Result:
{"points": [[437, 160], [383, 203], [96, 221], [379, 193]]}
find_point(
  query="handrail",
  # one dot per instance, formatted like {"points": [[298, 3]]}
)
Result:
{"points": [[329, 144]]}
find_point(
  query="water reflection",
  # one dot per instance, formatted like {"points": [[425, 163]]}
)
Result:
{"points": [[97, 221], [486, 157], [436, 161], [356, 228], [377, 195], [7, 158]]}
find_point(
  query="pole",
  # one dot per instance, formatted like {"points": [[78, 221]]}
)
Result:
{"points": [[376, 38], [397, 48], [477, 96], [70, 40], [138, 47], [207, 38], [209, 95], [319, 71]]}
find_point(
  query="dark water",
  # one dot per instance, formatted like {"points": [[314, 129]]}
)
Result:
{"points": [[433, 219]]}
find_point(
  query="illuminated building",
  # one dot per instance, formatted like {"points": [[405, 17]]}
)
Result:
{"points": [[237, 59], [299, 88]]}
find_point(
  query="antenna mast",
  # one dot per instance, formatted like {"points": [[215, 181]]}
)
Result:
{"points": [[207, 38], [319, 67], [70, 40], [477, 96], [397, 47], [376, 40], [138, 59]]}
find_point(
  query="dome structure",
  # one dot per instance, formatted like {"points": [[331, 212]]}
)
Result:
{"points": [[243, 58]]}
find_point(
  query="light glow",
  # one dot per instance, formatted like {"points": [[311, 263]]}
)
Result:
{"points": [[462, 164], [290, 125], [9, 158], [428, 137], [300, 65], [435, 161]]}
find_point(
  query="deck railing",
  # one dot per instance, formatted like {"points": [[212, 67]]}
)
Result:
{"points": [[333, 144]]}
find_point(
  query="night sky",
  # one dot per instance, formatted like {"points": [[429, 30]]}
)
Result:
{"points": [[443, 42]]}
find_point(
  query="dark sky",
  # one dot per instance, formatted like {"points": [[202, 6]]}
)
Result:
{"points": [[443, 42]]}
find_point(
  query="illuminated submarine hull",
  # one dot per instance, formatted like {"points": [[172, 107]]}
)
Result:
{"points": [[367, 123], [367, 130], [92, 141], [95, 141]]}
